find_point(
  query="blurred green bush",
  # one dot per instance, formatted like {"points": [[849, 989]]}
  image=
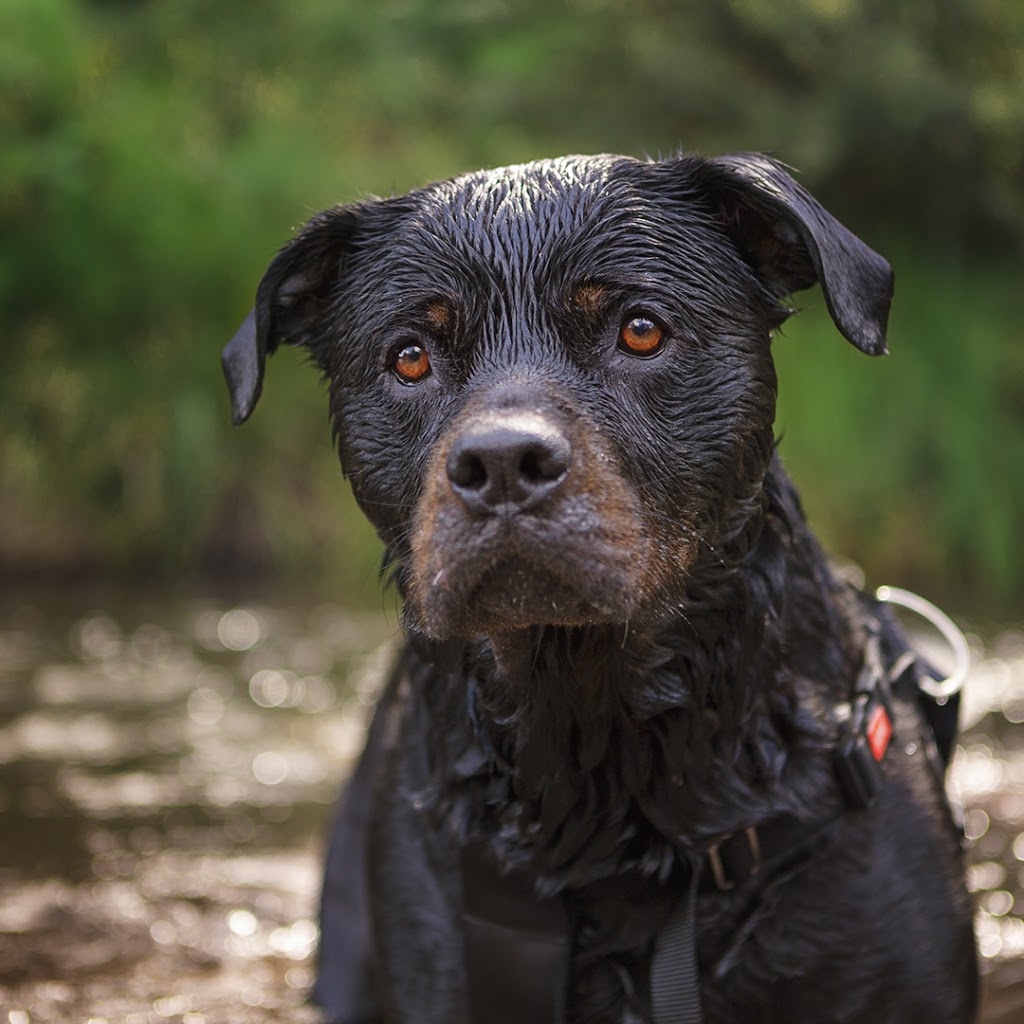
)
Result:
{"points": [[154, 154]]}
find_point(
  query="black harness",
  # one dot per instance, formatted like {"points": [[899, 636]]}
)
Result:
{"points": [[518, 944]]}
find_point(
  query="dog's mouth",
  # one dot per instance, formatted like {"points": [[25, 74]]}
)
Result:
{"points": [[568, 568], [517, 592]]}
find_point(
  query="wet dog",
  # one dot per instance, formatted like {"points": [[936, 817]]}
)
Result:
{"points": [[640, 731]]}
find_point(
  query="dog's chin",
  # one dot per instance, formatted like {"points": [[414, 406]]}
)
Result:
{"points": [[516, 595]]}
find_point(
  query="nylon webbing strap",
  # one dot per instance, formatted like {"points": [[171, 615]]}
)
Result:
{"points": [[675, 978], [517, 947]]}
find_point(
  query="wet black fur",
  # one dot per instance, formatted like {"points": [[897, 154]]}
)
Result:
{"points": [[599, 756]]}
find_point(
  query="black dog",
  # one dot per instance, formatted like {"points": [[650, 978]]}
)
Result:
{"points": [[639, 736]]}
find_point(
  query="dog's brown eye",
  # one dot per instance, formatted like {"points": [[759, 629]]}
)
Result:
{"points": [[411, 364], [641, 336]]}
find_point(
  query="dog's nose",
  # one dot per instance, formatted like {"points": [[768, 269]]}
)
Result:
{"points": [[508, 465]]}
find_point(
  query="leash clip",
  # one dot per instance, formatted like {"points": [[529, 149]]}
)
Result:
{"points": [[940, 690]]}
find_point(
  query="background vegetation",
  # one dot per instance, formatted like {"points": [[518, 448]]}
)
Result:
{"points": [[155, 153]]}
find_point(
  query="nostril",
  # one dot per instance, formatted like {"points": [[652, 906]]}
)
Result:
{"points": [[529, 467], [543, 463], [468, 471]]}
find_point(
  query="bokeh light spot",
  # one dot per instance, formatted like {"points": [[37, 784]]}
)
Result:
{"points": [[239, 630]]}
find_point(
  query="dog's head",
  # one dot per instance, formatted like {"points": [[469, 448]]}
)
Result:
{"points": [[551, 384]]}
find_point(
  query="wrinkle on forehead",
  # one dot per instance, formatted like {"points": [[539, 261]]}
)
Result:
{"points": [[508, 217]]}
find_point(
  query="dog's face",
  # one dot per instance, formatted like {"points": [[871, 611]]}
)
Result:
{"points": [[551, 385]]}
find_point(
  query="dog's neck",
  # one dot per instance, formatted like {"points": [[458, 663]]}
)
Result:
{"points": [[604, 748]]}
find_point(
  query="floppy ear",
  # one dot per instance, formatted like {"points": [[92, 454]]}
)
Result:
{"points": [[290, 302], [792, 241]]}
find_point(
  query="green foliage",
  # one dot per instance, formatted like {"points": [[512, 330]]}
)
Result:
{"points": [[915, 462], [154, 155]]}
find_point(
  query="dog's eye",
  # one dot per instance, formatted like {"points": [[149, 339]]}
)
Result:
{"points": [[641, 336], [411, 364]]}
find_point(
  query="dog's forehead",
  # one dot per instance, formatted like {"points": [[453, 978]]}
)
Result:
{"points": [[522, 207], [526, 190], [515, 233]]}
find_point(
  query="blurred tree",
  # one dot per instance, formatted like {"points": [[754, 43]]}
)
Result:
{"points": [[155, 154]]}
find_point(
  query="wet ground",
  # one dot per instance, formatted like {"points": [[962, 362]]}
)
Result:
{"points": [[167, 771]]}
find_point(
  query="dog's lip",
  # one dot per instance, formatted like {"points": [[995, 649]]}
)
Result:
{"points": [[534, 581], [502, 555], [516, 592]]}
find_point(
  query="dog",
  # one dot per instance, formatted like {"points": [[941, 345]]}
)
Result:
{"points": [[644, 756]]}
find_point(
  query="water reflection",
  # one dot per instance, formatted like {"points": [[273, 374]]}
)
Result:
{"points": [[165, 776], [165, 780]]}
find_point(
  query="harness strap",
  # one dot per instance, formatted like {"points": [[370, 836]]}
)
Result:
{"points": [[675, 976], [517, 946], [745, 854]]}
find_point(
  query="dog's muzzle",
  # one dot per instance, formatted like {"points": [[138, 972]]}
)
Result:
{"points": [[524, 520]]}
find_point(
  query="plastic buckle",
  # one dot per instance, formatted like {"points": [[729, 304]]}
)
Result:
{"points": [[722, 882], [858, 758]]}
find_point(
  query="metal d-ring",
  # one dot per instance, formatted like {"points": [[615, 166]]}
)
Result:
{"points": [[940, 689]]}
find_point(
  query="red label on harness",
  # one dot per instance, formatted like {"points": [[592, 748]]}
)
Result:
{"points": [[879, 732]]}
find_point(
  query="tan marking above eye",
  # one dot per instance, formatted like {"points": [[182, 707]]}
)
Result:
{"points": [[589, 298], [411, 364], [438, 316], [641, 336]]}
